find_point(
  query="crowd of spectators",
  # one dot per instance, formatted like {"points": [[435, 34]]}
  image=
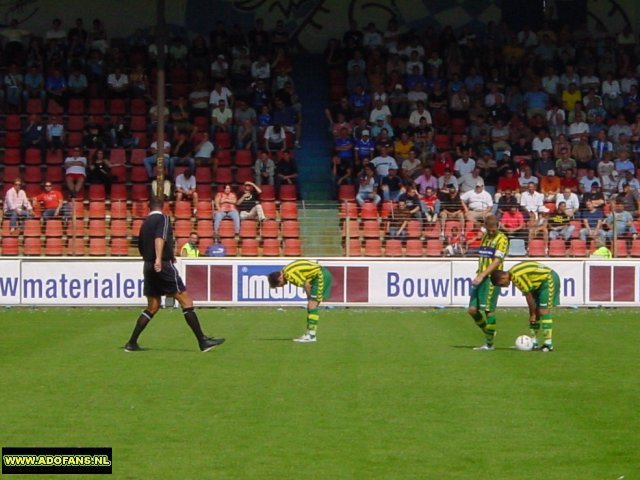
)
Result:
{"points": [[230, 90], [539, 127]]}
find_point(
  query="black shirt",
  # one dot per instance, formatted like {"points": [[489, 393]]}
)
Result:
{"points": [[248, 203], [156, 225]]}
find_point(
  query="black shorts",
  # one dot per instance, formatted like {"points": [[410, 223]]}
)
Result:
{"points": [[165, 282]]}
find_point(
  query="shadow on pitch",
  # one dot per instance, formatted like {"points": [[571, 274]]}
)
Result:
{"points": [[144, 350], [471, 347]]}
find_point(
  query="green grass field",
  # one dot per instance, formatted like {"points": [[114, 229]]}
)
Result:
{"points": [[384, 394]]}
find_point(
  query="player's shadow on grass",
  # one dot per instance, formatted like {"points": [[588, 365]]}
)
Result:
{"points": [[144, 350], [471, 347], [275, 339]]}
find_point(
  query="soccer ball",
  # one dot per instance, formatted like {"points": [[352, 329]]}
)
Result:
{"points": [[524, 343]]}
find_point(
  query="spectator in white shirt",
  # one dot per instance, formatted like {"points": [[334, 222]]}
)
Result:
{"points": [[532, 201], [478, 202], [570, 199], [186, 188], [118, 84], [16, 206], [465, 164], [541, 142], [611, 94]]}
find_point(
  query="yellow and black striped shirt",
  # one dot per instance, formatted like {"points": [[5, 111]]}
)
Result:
{"points": [[300, 272], [528, 276], [490, 248]]}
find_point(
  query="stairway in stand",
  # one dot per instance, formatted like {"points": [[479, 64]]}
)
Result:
{"points": [[312, 85]]}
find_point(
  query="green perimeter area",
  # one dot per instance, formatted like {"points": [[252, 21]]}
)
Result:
{"points": [[383, 394]]}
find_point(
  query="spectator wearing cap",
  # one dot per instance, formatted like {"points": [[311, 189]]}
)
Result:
{"points": [[478, 203], [550, 186], [364, 147], [398, 101]]}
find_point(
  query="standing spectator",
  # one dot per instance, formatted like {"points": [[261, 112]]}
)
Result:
{"points": [[264, 169], [52, 202], [75, 167], [185, 188], [16, 206], [225, 207], [249, 203]]}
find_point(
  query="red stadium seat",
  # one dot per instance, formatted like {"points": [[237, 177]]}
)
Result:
{"points": [[393, 248], [353, 248], [292, 247], [373, 247]]}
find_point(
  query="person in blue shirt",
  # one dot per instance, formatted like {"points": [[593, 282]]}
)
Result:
{"points": [[536, 101], [592, 219], [359, 101], [364, 147]]}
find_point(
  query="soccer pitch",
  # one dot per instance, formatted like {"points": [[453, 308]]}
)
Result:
{"points": [[383, 394]]}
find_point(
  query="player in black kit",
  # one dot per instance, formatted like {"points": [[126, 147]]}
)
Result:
{"points": [[162, 278]]}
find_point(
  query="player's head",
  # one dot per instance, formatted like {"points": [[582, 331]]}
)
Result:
{"points": [[276, 279], [491, 224], [500, 278], [156, 204]]}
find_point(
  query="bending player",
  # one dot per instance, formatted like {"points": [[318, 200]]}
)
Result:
{"points": [[316, 281], [541, 288]]}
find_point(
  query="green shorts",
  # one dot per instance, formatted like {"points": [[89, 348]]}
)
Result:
{"points": [[548, 295], [484, 297], [321, 286]]}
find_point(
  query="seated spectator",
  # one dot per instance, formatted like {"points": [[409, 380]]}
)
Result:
{"points": [[465, 164], [619, 222], [52, 203], [456, 243], [508, 182], [411, 168], [118, 84], [601, 145], [119, 133], [368, 186], [13, 87], [34, 85], [582, 153], [447, 181], [383, 162], [469, 181], [398, 221], [595, 195], [539, 225], [364, 147], [512, 223], [592, 219], [181, 154], [219, 68], [624, 163], [550, 186], [153, 116], [601, 250], [532, 201], [225, 207], [451, 207], [560, 223], [564, 162], [139, 84], [56, 88], [569, 180], [290, 119], [221, 118], [34, 134], [391, 185], [198, 100], [249, 203], [526, 177], [275, 138], [571, 201], [507, 199], [190, 248], [16, 206], [203, 150], [630, 195], [413, 202], [264, 169], [93, 135], [403, 146], [244, 119], [152, 160], [430, 204], [584, 183], [286, 172], [180, 116], [418, 113], [99, 171], [55, 133], [261, 69], [477, 203], [185, 188], [75, 167]]}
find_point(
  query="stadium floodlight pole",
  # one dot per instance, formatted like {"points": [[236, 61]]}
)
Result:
{"points": [[161, 35]]}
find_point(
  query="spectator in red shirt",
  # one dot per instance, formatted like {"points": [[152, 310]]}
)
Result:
{"points": [[569, 180], [52, 202], [441, 164], [512, 223]]}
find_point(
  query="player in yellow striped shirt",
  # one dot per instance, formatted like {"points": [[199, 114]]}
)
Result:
{"points": [[541, 288], [484, 295], [316, 281]]}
